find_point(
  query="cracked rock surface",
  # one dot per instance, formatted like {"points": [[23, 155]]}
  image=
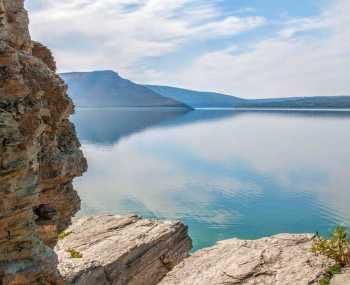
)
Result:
{"points": [[283, 259], [121, 250]]}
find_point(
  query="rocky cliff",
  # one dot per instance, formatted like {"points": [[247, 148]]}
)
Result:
{"points": [[39, 154]]}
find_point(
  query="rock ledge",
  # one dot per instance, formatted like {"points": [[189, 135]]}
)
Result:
{"points": [[121, 250], [283, 259]]}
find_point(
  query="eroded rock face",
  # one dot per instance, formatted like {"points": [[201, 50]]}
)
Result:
{"points": [[121, 250], [39, 154], [279, 260]]}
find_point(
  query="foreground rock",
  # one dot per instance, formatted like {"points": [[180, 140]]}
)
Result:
{"points": [[121, 250], [342, 278], [39, 154], [280, 260]]}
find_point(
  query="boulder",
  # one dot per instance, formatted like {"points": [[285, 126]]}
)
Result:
{"points": [[121, 250], [283, 259]]}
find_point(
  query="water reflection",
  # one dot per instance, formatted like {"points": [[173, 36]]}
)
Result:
{"points": [[108, 126], [225, 173]]}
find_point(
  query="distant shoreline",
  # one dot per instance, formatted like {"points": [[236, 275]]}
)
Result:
{"points": [[218, 109], [279, 109], [136, 108]]}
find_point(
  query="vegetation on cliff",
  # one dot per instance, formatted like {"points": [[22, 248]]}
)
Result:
{"points": [[336, 248]]}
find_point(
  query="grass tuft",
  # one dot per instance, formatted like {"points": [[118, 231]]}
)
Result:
{"points": [[63, 235], [330, 272], [74, 253]]}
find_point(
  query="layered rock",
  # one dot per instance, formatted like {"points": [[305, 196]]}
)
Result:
{"points": [[283, 259], [39, 154], [121, 250], [342, 278]]}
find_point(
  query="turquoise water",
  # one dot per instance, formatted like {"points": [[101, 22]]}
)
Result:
{"points": [[224, 173]]}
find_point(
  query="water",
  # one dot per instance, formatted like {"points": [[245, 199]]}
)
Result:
{"points": [[225, 173]]}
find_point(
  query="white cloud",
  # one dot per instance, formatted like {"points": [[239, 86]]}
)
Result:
{"points": [[228, 26], [118, 34], [306, 57]]}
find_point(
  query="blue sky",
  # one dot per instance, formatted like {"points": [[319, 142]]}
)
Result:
{"points": [[247, 48]]}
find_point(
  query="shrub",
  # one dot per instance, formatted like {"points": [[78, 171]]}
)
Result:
{"points": [[337, 248]]}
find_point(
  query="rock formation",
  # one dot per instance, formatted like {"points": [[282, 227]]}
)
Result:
{"points": [[121, 250], [283, 259], [39, 154], [342, 278]]}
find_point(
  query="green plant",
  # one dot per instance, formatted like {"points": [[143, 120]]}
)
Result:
{"points": [[337, 247], [330, 272], [63, 235], [74, 253]]}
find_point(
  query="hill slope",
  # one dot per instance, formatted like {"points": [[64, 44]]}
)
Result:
{"points": [[196, 99], [199, 99], [108, 89], [336, 102]]}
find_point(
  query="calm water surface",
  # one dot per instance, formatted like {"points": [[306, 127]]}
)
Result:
{"points": [[224, 173]]}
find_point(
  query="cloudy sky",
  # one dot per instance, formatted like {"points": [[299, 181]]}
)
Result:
{"points": [[247, 48]]}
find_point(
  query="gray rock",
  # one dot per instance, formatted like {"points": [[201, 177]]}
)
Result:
{"points": [[342, 279], [283, 259], [121, 250]]}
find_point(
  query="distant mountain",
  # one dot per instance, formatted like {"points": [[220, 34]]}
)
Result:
{"points": [[108, 89], [336, 102], [198, 99]]}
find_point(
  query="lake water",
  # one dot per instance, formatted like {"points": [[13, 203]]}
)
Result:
{"points": [[225, 173]]}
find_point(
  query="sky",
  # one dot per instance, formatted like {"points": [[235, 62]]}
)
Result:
{"points": [[246, 48]]}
